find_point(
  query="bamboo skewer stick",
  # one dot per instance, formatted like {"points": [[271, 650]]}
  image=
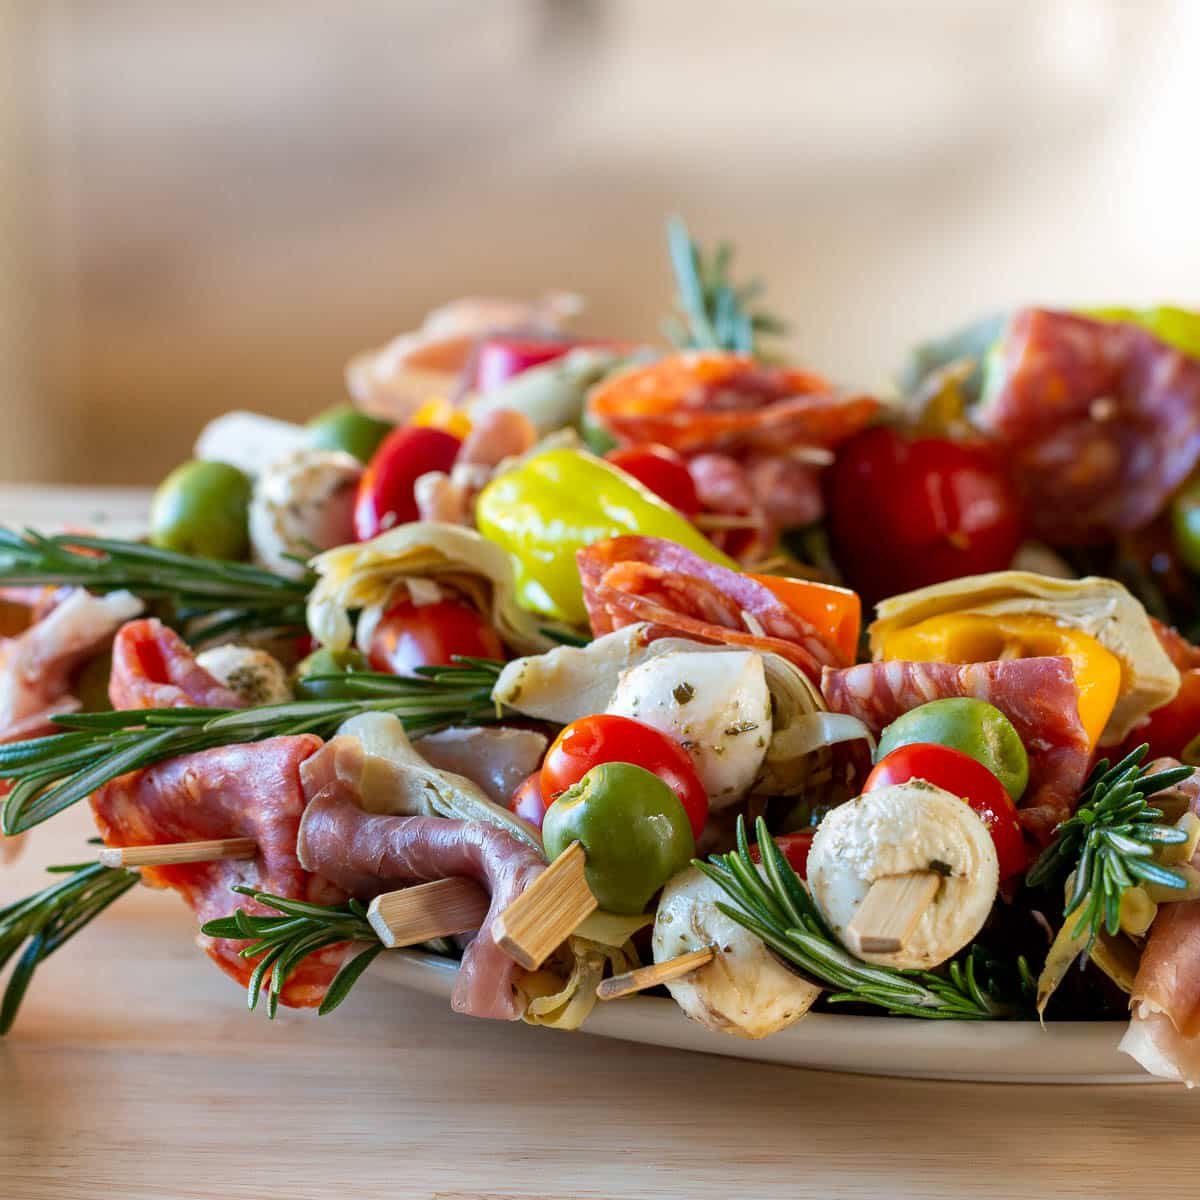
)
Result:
{"points": [[412, 915], [539, 920], [893, 906], [651, 976], [175, 854]]}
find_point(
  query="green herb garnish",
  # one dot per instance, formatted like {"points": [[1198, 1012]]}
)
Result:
{"points": [[52, 773], [208, 597], [1109, 842], [779, 910], [282, 943], [713, 313], [49, 919]]}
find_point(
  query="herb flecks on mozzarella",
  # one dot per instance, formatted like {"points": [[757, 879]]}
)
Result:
{"points": [[896, 830], [717, 705]]}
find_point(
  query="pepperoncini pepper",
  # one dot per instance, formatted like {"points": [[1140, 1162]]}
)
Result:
{"points": [[559, 501], [632, 827], [980, 637]]}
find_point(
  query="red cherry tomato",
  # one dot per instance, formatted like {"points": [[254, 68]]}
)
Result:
{"points": [[1171, 728], [663, 470], [385, 491], [905, 514], [498, 359], [960, 775], [527, 803], [412, 635], [794, 847], [604, 738]]}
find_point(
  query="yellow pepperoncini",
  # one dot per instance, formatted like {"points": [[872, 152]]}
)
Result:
{"points": [[979, 637], [439, 413], [557, 502]]}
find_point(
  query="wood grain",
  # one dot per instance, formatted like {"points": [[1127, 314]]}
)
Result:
{"points": [[135, 1071]]}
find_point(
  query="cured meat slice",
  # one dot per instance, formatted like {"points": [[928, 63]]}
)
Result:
{"points": [[367, 853], [1038, 695], [230, 791], [36, 666], [631, 579], [154, 668], [1100, 422], [1164, 1032], [719, 401]]}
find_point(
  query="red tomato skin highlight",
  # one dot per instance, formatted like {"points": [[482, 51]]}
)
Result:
{"points": [[385, 491], [663, 470], [794, 847], [965, 777], [905, 514], [606, 738], [430, 635]]}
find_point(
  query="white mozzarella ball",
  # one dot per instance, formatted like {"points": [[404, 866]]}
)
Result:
{"points": [[716, 705]]}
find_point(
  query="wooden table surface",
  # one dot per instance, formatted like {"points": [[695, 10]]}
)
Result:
{"points": [[134, 1071]]}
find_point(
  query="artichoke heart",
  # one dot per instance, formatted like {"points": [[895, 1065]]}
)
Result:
{"points": [[1096, 622], [364, 576]]}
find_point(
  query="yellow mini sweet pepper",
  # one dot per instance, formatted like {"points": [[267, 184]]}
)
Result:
{"points": [[559, 501], [980, 637]]}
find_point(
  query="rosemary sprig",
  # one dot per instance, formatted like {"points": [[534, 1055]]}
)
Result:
{"points": [[1109, 842], [713, 313], [49, 919], [779, 910], [52, 773], [245, 596], [281, 943]]}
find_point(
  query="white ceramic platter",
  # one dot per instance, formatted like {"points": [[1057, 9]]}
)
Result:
{"points": [[976, 1051]]}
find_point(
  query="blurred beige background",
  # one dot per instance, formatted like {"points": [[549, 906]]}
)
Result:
{"points": [[209, 206]]}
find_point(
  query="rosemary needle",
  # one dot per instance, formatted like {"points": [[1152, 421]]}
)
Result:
{"points": [[776, 907], [208, 596], [51, 773]]}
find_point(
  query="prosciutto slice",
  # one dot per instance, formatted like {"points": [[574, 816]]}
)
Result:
{"points": [[369, 853], [1038, 695], [230, 791], [37, 666], [154, 668], [1100, 422], [1164, 1030], [631, 579]]}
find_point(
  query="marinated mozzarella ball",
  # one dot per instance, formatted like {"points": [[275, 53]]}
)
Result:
{"points": [[716, 705], [897, 830], [745, 990], [301, 505], [254, 675]]}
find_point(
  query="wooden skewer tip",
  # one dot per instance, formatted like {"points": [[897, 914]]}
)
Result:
{"points": [[642, 978], [178, 853], [891, 911]]}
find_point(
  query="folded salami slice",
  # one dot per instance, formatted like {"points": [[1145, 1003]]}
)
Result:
{"points": [[153, 667], [230, 791], [1164, 1030], [369, 853], [1038, 695], [1100, 422], [630, 579], [719, 401]]}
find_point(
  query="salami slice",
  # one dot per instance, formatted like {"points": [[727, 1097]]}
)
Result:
{"points": [[1038, 695], [1100, 423], [154, 668], [719, 401], [631, 579], [230, 791]]}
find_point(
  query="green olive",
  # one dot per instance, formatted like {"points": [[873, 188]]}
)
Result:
{"points": [[1185, 523], [597, 439], [325, 662], [346, 428], [972, 726], [202, 508]]}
